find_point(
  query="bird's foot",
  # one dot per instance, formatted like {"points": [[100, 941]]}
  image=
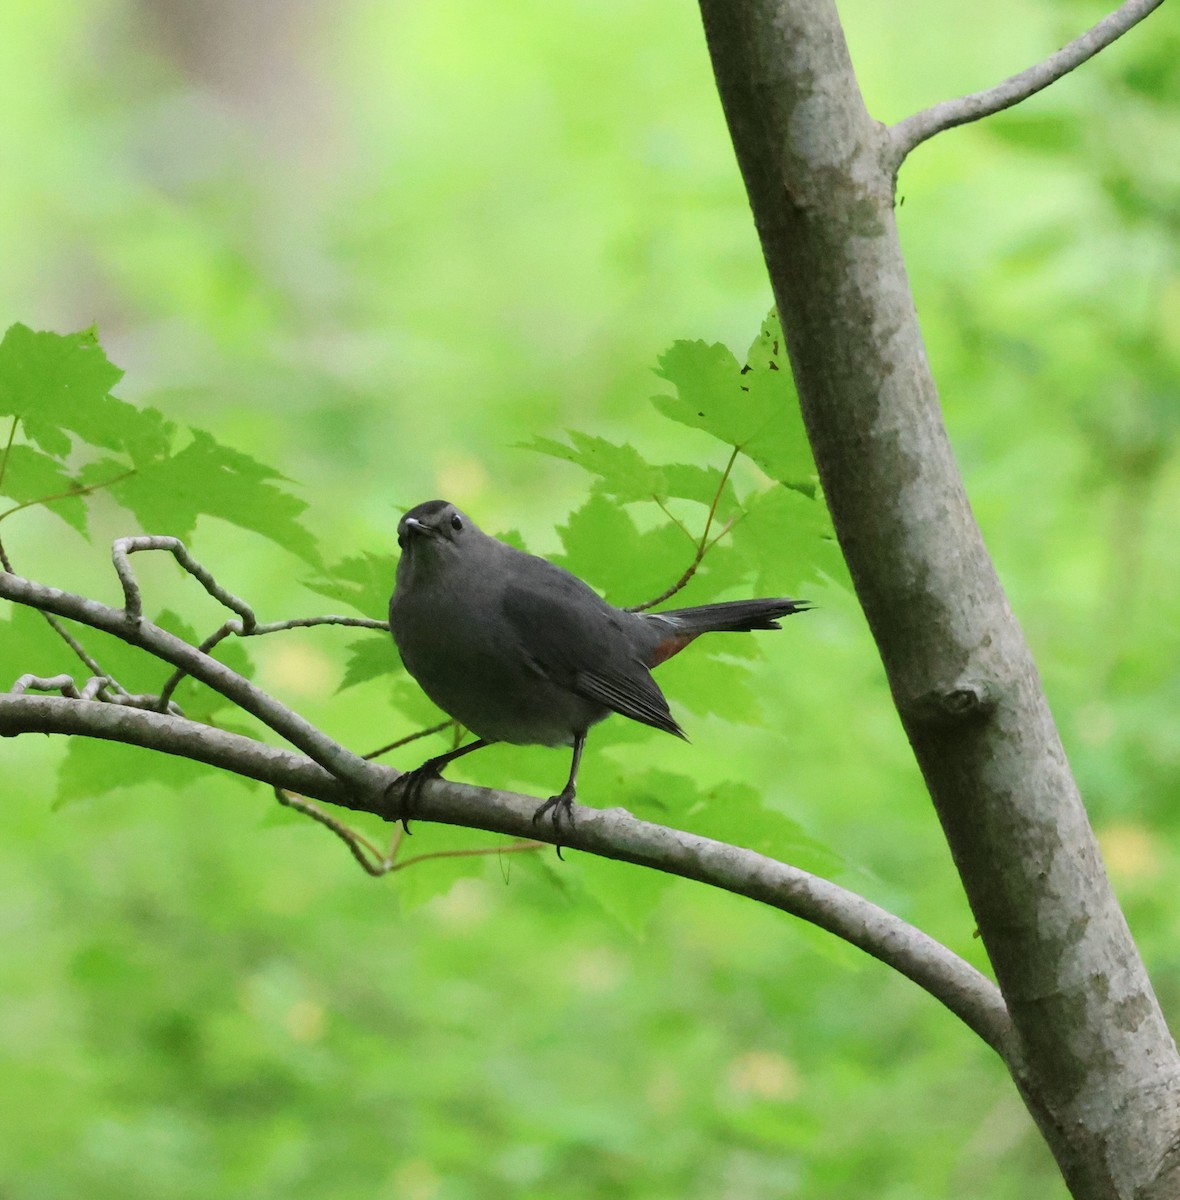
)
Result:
{"points": [[410, 786], [559, 806]]}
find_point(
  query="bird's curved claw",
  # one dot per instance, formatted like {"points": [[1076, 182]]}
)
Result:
{"points": [[410, 785], [559, 806]]}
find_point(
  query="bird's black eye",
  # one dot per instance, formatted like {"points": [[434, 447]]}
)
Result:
{"points": [[456, 522]]}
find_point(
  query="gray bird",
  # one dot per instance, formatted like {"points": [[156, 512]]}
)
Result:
{"points": [[519, 650]]}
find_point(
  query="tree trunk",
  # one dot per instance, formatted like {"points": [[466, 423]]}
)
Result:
{"points": [[1093, 1056]]}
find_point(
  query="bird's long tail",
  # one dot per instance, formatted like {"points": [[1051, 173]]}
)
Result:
{"points": [[733, 616]]}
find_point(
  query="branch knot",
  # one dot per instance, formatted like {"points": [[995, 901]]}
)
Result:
{"points": [[966, 700]]}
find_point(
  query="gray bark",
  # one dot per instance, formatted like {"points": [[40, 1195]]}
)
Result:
{"points": [[1093, 1057]]}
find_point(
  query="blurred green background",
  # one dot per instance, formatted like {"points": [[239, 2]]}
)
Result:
{"points": [[378, 245]]}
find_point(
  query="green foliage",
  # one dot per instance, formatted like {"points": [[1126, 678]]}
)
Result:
{"points": [[466, 236], [56, 390], [61, 385], [363, 582], [751, 407]]}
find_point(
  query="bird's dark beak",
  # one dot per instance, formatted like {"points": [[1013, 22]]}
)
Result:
{"points": [[411, 527]]}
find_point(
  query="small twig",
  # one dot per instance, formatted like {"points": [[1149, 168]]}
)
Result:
{"points": [[236, 628], [919, 127], [133, 601], [372, 861], [675, 520], [8, 448], [91, 664], [98, 687], [246, 626], [64, 684], [80, 490], [88, 661], [370, 858], [703, 545], [511, 848], [62, 632], [412, 737]]}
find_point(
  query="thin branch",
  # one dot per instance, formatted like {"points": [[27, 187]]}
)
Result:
{"points": [[915, 129], [236, 628], [79, 490], [411, 737], [133, 602], [703, 545], [246, 626], [97, 687], [372, 861], [675, 519], [611, 833], [88, 660], [376, 863], [91, 664], [8, 448], [64, 684]]}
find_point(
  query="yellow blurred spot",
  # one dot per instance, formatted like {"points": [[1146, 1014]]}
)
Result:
{"points": [[598, 970], [465, 905], [461, 479], [416, 1180], [1095, 724], [764, 1075], [1129, 851], [664, 1094], [295, 667], [304, 1021]]}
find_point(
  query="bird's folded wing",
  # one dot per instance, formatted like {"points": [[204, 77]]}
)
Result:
{"points": [[575, 639], [635, 696]]}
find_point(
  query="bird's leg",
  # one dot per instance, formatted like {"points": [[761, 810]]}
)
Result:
{"points": [[564, 802], [410, 784]]}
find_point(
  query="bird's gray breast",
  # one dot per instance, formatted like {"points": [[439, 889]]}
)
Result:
{"points": [[479, 634]]}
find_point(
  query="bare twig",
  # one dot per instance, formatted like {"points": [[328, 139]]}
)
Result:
{"points": [[62, 632], [703, 545], [915, 129], [8, 448], [675, 519], [133, 602], [92, 690], [246, 626], [236, 628], [411, 737], [79, 490], [98, 687], [6, 564], [373, 861]]}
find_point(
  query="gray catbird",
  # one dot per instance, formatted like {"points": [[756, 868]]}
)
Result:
{"points": [[519, 650]]}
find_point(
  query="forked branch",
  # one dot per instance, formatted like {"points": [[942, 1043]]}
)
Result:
{"points": [[916, 129]]}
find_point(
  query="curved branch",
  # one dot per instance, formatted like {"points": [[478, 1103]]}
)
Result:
{"points": [[611, 833], [235, 628], [914, 130]]}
